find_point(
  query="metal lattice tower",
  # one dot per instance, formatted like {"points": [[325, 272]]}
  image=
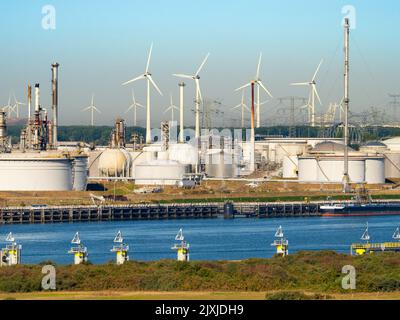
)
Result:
{"points": [[289, 105]]}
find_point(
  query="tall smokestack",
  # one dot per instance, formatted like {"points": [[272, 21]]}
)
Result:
{"points": [[29, 102], [252, 137], [54, 82], [37, 98]]}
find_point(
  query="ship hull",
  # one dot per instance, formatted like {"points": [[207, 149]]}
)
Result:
{"points": [[354, 210]]}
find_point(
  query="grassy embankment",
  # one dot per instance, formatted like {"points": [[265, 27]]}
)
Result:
{"points": [[302, 273]]}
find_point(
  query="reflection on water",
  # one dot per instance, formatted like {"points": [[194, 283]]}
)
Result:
{"points": [[209, 238]]}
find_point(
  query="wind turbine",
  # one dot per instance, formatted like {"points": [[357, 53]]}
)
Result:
{"points": [[8, 107], [259, 84], [243, 106], [147, 75], [311, 99], [171, 107], [134, 106], [199, 97], [92, 109], [16, 105]]}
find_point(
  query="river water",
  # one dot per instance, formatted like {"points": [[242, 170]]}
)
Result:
{"points": [[209, 239]]}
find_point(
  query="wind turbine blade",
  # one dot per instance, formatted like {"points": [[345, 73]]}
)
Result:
{"points": [[130, 107], [258, 67], [96, 109], [148, 58], [316, 93], [134, 79], [246, 107], [244, 86], [87, 108], [235, 107], [202, 64], [300, 84], [265, 89], [139, 105], [154, 84], [180, 75], [316, 71]]}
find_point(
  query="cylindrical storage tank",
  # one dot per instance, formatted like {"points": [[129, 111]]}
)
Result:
{"points": [[113, 163], [331, 169], [356, 170], [307, 169], [220, 164], [392, 165], [35, 174], [375, 170], [80, 172], [290, 167], [183, 153], [162, 155], [159, 172]]}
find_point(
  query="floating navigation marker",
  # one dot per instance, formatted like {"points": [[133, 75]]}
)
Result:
{"points": [[396, 234], [365, 236], [80, 251], [281, 244], [121, 249], [182, 248], [11, 254]]}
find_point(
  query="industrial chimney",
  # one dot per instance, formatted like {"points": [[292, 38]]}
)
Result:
{"points": [[54, 82], [37, 98]]}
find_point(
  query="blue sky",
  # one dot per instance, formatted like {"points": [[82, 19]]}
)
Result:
{"points": [[100, 44]]}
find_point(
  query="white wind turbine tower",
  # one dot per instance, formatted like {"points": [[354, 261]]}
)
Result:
{"points": [[134, 106], [199, 98], [243, 106], [147, 75], [313, 93], [92, 109], [259, 84], [171, 107], [16, 105]]}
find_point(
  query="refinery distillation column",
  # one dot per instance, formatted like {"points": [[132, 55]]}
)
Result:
{"points": [[54, 82], [346, 101], [181, 136]]}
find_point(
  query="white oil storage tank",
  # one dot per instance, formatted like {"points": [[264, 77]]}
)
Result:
{"points": [[307, 169], [159, 172], [35, 172], [183, 152], [392, 165], [220, 164], [375, 170], [290, 167], [80, 172]]}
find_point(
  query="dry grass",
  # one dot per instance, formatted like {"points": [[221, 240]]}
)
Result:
{"points": [[208, 189], [192, 295]]}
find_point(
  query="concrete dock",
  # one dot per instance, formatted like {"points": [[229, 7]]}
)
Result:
{"points": [[53, 214]]}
